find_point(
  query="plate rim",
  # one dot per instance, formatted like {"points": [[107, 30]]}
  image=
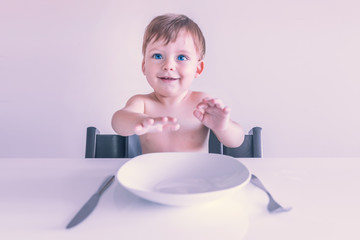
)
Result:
{"points": [[245, 182]]}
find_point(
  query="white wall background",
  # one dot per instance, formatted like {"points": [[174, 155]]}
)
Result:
{"points": [[289, 66]]}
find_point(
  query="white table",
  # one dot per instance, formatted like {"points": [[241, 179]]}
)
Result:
{"points": [[38, 197]]}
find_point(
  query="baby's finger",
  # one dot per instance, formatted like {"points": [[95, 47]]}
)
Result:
{"points": [[214, 111], [226, 110], [218, 103], [213, 101], [202, 106], [159, 120], [206, 99], [199, 114], [148, 122], [164, 120], [172, 119], [144, 126], [139, 129], [171, 127]]}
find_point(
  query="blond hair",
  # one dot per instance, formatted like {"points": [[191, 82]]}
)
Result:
{"points": [[167, 27]]}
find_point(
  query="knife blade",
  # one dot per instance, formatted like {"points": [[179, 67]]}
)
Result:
{"points": [[90, 205]]}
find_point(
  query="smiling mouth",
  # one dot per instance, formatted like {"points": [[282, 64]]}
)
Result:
{"points": [[169, 78]]}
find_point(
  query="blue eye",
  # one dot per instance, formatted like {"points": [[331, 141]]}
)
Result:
{"points": [[157, 56], [182, 58]]}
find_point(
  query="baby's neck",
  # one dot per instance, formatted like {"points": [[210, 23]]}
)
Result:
{"points": [[172, 100]]}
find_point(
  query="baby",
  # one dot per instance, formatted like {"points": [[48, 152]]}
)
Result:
{"points": [[173, 118]]}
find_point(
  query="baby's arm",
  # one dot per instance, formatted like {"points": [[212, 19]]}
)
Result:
{"points": [[132, 120], [214, 115]]}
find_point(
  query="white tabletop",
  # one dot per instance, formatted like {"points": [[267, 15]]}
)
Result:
{"points": [[38, 197]]}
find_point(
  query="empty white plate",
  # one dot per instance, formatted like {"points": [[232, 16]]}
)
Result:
{"points": [[183, 179]]}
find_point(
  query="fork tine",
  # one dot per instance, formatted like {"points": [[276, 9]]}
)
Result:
{"points": [[280, 210], [273, 206]]}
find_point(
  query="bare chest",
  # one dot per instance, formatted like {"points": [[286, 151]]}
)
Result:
{"points": [[183, 113], [192, 135]]}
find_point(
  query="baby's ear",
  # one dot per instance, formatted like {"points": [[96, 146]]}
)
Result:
{"points": [[200, 68], [143, 66]]}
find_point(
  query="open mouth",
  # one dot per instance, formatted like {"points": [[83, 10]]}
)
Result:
{"points": [[169, 78]]}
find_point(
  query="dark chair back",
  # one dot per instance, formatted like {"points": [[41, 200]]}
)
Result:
{"points": [[111, 145], [250, 148], [116, 146]]}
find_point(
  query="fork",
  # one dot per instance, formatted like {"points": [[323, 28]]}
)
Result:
{"points": [[273, 206]]}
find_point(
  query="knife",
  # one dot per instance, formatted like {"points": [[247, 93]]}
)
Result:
{"points": [[90, 205]]}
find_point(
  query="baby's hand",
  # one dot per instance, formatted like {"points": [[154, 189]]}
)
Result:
{"points": [[213, 114], [159, 124]]}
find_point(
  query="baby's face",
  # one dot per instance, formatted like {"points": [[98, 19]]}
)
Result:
{"points": [[171, 68]]}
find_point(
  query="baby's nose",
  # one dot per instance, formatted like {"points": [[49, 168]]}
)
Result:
{"points": [[169, 65]]}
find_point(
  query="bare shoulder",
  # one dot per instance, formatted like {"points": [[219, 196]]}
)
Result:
{"points": [[198, 96], [138, 98], [137, 102]]}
